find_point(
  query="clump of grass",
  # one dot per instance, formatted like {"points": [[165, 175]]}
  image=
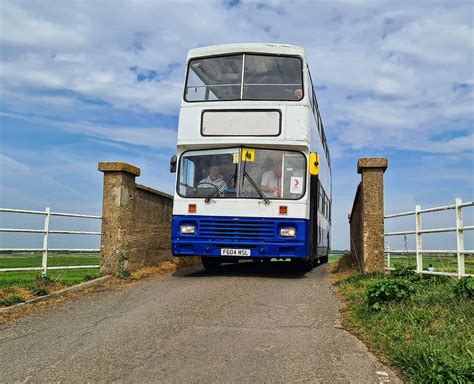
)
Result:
{"points": [[88, 277], [465, 288], [423, 323], [40, 291], [11, 300], [347, 263], [43, 280], [122, 273], [389, 291]]}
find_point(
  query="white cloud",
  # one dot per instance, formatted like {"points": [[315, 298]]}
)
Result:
{"points": [[11, 166], [398, 76], [388, 68], [153, 137]]}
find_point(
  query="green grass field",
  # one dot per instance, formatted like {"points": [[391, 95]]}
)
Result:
{"points": [[441, 263], [14, 280]]}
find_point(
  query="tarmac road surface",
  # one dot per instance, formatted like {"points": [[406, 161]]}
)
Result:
{"points": [[248, 323]]}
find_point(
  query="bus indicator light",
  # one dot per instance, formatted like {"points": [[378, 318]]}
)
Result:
{"points": [[192, 208], [283, 210]]}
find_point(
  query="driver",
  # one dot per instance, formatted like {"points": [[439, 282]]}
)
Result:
{"points": [[214, 178]]}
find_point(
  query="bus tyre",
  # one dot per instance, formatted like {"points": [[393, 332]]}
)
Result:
{"points": [[323, 259], [210, 263], [305, 265]]}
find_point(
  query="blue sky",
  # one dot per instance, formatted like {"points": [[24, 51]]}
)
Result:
{"points": [[87, 81]]}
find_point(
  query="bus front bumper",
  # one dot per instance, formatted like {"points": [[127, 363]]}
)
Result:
{"points": [[254, 237]]}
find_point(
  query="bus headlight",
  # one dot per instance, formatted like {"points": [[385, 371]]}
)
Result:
{"points": [[187, 229], [287, 231]]}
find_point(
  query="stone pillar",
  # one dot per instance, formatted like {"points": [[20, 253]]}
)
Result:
{"points": [[372, 170], [117, 214]]}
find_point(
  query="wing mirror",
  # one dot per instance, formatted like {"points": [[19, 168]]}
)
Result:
{"points": [[173, 162]]}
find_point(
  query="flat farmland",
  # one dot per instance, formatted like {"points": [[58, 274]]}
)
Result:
{"points": [[26, 279]]}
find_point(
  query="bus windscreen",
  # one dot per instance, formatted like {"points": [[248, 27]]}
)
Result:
{"points": [[242, 173], [264, 77]]}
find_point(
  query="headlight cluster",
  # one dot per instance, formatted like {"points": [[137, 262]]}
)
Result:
{"points": [[287, 231], [187, 229]]}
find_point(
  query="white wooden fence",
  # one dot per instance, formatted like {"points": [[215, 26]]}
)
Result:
{"points": [[46, 232], [419, 231]]}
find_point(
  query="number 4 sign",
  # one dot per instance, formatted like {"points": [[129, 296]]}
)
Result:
{"points": [[296, 185]]}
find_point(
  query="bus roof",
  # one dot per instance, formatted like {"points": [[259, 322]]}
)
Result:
{"points": [[268, 48]]}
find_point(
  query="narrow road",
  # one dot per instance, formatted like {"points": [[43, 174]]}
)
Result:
{"points": [[248, 323]]}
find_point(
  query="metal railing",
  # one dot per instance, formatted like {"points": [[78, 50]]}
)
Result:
{"points": [[47, 231], [419, 231]]}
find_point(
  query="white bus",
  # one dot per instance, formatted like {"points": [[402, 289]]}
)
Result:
{"points": [[253, 172]]}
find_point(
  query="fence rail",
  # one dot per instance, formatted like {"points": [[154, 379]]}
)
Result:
{"points": [[46, 232], [460, 252]]}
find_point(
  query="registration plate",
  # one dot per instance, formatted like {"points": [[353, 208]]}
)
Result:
{"points": [[235, 252]]}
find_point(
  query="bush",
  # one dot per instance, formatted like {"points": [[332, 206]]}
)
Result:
{"points": [[88, 277], [43, 280], [347, 263], [402, 271], [11, 300], [388, 291], [465, 288]]}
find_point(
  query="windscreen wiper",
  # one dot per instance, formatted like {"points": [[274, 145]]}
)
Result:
{"points": [[224, 182], [255, 186]]}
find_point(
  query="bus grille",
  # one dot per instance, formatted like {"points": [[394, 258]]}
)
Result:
{"points": [[236, 229]]}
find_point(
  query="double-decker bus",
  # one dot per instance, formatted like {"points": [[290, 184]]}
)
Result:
{"points": [[253, 173]]}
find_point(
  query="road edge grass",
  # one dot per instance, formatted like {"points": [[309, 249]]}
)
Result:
{"points": [[421, 325]]}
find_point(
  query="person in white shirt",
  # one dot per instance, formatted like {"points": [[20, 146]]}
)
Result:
{"points": [[214, 178], [271, 182]]}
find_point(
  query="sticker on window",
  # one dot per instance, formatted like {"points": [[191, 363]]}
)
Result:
{"points": [[248, 154], [296, 185]]}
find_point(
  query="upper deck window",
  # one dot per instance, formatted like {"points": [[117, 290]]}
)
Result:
{"points": [[263, 78]]}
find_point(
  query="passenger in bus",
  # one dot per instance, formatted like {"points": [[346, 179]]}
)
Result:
{"points": [[271, 181], [214, 179]]}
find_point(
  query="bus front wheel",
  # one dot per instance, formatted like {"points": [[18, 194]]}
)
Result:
{"points": [[304, 265], [210, 263]]}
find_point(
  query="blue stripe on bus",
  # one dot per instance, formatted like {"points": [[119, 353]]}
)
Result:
{"points": [[260, 235]]}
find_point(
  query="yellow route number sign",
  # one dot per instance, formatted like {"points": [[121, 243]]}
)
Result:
{"points": [[248, 154]]}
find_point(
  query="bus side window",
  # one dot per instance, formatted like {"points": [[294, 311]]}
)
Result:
{"points": [[187, 178]]}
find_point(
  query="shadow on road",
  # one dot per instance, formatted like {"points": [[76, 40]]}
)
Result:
{"points": [[281, 270]]}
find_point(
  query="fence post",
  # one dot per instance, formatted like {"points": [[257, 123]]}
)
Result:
{"points": [[388, 254], [459, 237], [45, 241], [419, 242]]}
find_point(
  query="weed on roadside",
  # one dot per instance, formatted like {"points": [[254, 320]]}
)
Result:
{"points": [[465, 288], [122, 273], [11, 300], [88, 277], [423, 324], [43, 280], [389, 291], [39, 291]]}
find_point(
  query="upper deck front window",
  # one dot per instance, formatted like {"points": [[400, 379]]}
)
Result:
{"points": [[244, 77]]}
